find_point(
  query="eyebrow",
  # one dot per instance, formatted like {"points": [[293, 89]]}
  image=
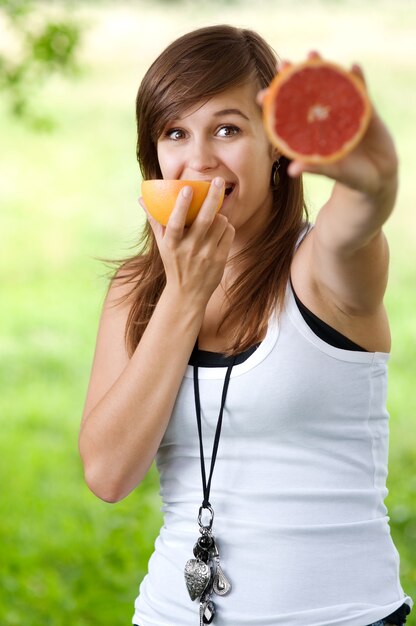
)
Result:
{"points": [[231, 112]]}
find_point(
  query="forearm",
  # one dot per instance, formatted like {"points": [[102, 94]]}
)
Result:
{"points": [[351, 219], [121, 434]]}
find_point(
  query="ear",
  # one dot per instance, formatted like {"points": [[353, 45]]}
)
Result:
{"points": [[274, 153]]}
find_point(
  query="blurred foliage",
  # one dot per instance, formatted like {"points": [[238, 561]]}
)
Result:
{"points": [[45, 46]]}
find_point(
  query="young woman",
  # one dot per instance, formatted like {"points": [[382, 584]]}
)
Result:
{"points": [[247, 354]]}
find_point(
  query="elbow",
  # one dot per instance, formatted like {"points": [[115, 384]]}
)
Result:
{"points": [[98, 474], [104, 486], [103, 490], [109, 476], [105, 480], [102, 480]]}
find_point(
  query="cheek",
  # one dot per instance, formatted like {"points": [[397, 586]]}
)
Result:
{"points": [[168, 163], [257, 171], [257, 157]]}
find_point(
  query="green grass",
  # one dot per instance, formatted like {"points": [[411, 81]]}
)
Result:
{"points": [[71, 196]]}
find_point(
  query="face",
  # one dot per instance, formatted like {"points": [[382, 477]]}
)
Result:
{"points": [[224, 136]]}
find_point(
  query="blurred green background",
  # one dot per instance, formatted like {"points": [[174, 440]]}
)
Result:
{"points": [[68, 197]]}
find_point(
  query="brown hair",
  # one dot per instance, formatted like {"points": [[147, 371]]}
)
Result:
{"points": [[192, 69]]}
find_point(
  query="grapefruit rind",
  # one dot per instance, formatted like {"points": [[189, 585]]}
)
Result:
{"points": [[269, 112], [160, 197]]}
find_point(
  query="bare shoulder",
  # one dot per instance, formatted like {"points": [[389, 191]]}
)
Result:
{"points": [[116, 308], [346, 295], [110, 357], [118, 299]]}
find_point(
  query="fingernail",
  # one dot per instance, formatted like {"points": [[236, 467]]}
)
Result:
{"points": [[218, 182], [187, 192], [293, 170]]}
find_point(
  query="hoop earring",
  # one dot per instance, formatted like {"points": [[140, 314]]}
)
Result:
{"points": [[275, 175]]}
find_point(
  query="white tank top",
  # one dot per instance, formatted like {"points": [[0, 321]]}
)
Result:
{"points": [[298, 489]]}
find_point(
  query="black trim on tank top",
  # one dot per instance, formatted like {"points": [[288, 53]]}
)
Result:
{"points": [[324, 331], [205, 358]]}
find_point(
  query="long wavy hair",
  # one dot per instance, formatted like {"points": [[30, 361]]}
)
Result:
{"points": [[194, 68]]}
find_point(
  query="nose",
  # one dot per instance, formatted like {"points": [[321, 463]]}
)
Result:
{"points": [[202, 156]]}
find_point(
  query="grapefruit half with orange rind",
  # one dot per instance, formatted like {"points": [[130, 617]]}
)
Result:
{"points": [[160, 197], [316, 111]]}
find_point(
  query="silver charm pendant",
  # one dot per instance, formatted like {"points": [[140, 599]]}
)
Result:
{"points": [[206, 612], [203, 574], [197, 577], [221, 585]]}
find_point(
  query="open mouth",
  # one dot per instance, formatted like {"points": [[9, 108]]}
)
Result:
{"points": [[229, 187]]}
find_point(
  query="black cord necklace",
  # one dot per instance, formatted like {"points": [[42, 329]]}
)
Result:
{"points": [[203, 574]]}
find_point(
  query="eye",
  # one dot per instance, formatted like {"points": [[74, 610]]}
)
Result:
{"points": [[174, 133], [228, 130]]}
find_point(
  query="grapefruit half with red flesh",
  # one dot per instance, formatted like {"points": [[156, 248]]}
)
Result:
{"points": [[316, 111], [160, 197]]}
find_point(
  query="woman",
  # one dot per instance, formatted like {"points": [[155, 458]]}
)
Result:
{"points": [[260, 339]]}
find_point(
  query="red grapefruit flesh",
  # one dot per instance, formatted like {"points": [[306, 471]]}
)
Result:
{"points": [[316, 111]]}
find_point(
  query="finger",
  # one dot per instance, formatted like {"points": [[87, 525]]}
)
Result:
{"points": [[314, 54], [331, 170], [217, 229], [296, 168], [284, 65], [263, 92], [261, 96], [157, 228], [209, 207], [218, 239], [358, 71], [176, 223], [227, 238]]}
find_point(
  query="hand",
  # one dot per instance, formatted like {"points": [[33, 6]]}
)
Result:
{"points": [[370, 168], [194, 258]]}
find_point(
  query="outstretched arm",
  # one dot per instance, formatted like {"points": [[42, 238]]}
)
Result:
{"points": [[340, 270]]}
